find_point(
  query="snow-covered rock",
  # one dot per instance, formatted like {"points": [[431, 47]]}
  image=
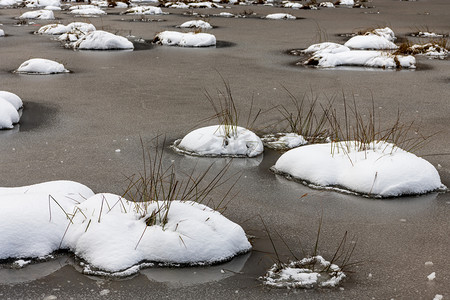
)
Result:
{"points": [[346, 2], [189, 39], [326, 47], [429, 49], [58, 29], [220, 140], [41, 66], [42, 14], [381, 170], [386, 32], [12, 98], [193, 234], [8, 3], [40, 219], [371, 41], [307, 273], [289, 4], [326, 4], [280, 16], [283, 141], [144, 10], [33, 218], [364, 58], [102, 40], [88, 11], [42, 3], [196, 24], [8, 114]]}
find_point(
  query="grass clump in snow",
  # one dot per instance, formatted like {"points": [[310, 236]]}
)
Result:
{"points": [[226, 111], [435, 47], [162, 185], [312, 271]]}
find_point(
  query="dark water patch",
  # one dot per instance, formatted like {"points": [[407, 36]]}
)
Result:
{"points": [[37, 116], [142, 44], [224, 44]]}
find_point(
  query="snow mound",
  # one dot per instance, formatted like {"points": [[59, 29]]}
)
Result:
{"points": [[196, 24], [280, 16], [386, 32], [309, 272], [220, 140], [289, 4], [2, 32], [87, 11], [58, 29], [371, 41], [12, 98], [42, 14], [194, 234], [8, 3], [283, 141], [144, 10], [8, 114], [427, 34], [189, 39], [102, 40], [41, 66], [225, 15], [429, 49], [32, 217], [326, 4], [382, 170], [326, 47], [346, 2], [367, 58], [42, 3]]}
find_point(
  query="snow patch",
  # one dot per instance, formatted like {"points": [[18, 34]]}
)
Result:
{"points": [[41, 66], [283, 141], [220, 140], [196, 24], [280, 16], [190, 39], [102, 40], [382, 170], [42, 14]]}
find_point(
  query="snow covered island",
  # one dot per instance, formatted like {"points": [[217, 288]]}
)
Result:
{"points": [[378, 169], [189, 39], [9, 105], [309, 272], [41, 66], [220, 140], [40, 219]]}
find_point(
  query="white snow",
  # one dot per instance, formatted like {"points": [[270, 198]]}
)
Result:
{"points": [[438, 297], [386, 32], [326, 47], [364, 58], [429, 263], [32, 221], [196, 24], [2, 32], [307, 273], [280, 16], [144, 10], [282, 141], [194, 234], [346, 2], [20, 263], [371, 41], [426, 34], [216, 140], [39, 219], [12, 98], [189, 39], [42, 14], [432, 276], [8, 114], [225, 14], [289, 4], [8, 2], [41, 66], [88, 11], [429, 49], [326, 4], [383, 170], [57, 29], [42, 3], [102, 40]]}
